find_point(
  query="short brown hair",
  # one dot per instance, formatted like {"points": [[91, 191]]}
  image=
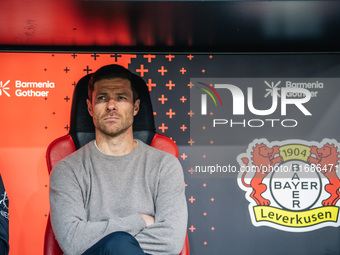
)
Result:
{"points": [[111, 72]]}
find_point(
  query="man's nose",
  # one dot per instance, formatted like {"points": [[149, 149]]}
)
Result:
{"points": [[111, 105]]}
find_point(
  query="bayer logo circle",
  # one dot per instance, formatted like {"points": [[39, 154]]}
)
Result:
{"points": [[295, 185]]}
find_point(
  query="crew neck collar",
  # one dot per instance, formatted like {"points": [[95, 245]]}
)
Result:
{"points": [[99, 152]]}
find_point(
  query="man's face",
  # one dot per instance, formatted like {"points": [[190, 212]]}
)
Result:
{"points": [[112, 107]]}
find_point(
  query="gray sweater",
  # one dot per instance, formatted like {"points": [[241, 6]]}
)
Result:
{"points": [[93, 195]]}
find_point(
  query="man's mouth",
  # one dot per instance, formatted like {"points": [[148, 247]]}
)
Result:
{"points": [[111, 118]]}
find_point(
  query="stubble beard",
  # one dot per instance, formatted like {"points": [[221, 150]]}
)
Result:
{"points": [[113, 133], [114, 130]]}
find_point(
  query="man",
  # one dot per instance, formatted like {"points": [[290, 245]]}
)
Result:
{"points": [[117, 195]]}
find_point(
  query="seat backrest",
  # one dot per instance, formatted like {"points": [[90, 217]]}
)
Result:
{"points": [[82, 131]]}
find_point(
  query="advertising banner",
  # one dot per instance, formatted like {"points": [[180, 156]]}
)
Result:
{"points": [[258, 139], [277, 139]]}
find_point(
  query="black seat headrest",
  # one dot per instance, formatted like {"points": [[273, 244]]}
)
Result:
{"points": [[81, 127]]}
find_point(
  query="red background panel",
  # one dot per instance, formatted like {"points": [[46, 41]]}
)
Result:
{"points": [[28, 125]]}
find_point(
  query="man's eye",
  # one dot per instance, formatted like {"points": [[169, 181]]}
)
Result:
{"points": [[101, 98], [122, 98]]}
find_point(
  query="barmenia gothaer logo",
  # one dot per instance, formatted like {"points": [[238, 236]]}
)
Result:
{"points": [[291, 185], [4, 88]]}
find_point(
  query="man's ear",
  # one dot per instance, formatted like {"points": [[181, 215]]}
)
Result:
{"points": [[136, 107], [89, 107]]}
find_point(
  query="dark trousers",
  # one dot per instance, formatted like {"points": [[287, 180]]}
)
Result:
{"points": [[117, 243]]}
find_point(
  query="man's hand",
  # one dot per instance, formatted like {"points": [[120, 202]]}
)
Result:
{"points": [[149, 220]]}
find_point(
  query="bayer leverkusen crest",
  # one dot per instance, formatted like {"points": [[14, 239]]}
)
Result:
{"points": [[291, 185]]}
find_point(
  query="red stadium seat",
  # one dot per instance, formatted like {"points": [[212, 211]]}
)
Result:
{"points": [[82, 131]]}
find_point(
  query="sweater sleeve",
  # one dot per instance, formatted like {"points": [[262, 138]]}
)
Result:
{"points": [[74, 233], [167, 234]]}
